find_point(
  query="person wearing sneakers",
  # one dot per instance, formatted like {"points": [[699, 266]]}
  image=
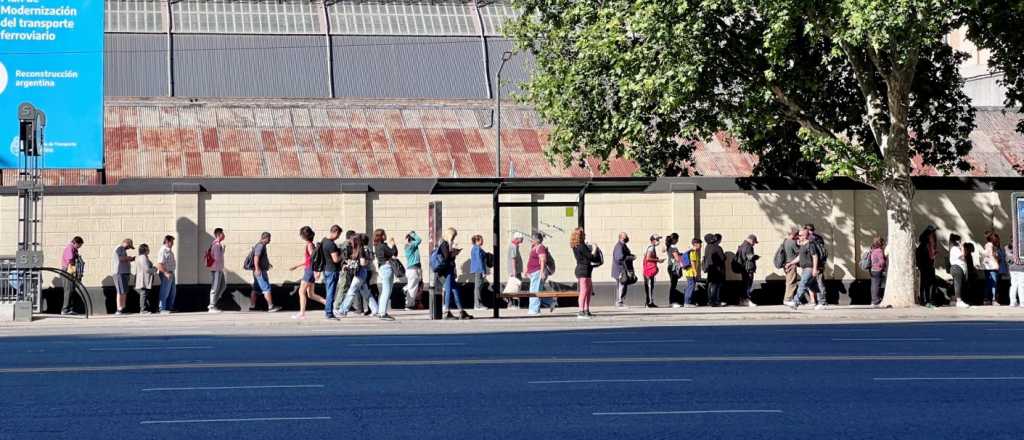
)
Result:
{"points": [[807, 261], [879, 263], [958, 269], [215, 260], [537, 273], [651, 262], [260, 264], [165, 266], [122, 273], [748, 265], [714, 267], [690, 262], [1016, 267], [307, 284], [586, 258], [478, 268], [622, 269]]}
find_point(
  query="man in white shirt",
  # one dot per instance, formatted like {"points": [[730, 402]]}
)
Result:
{"points": [[166, 265], [217, 281], [122, 272]]}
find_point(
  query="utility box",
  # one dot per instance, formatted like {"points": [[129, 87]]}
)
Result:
{"points": [[17, 311]]}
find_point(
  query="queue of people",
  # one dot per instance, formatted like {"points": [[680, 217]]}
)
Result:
{"points": [[346, 270]]}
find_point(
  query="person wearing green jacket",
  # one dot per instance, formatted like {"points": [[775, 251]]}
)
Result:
{"points": [[413, 270]]}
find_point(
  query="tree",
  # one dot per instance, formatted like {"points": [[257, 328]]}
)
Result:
{"points": [[859, 88]]}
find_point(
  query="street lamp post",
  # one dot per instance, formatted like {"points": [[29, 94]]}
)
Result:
{"points": [[497, 153]]}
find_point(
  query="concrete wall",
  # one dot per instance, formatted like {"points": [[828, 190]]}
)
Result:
{"points": [[849, 219]]}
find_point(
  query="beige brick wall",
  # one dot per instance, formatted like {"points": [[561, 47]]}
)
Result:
{"points": [[848, 219]]}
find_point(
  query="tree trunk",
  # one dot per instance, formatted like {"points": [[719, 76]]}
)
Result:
{"points": [[900, 286]]}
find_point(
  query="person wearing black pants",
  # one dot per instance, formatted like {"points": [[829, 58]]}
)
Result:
{"points": [[925, 256], [651, 262], [958, 269], [714, 267], [675, 297], [878, 265]]}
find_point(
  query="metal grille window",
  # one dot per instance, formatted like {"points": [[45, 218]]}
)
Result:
{"points": [[247, 16], [136, 16], [495, 14], [360, 17]]}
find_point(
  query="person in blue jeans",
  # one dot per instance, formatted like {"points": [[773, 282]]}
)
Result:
{"points": [[807, 261], [166, 267], [446, 275], [384, 250], [536, 271], [359, 261], [261, 280], [332, 267]]}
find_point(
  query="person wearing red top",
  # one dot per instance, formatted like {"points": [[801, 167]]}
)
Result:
{"points": [[308, 275], [536, 271], [70, 262]]}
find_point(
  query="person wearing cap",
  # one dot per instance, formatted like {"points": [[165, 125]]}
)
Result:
{"points": [[651, 262], [622, 269], [122, 272], [537, 272], [714, 267], [747, 261], [691, 271]]}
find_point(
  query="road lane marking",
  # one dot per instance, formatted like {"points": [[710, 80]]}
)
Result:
{"points": [[410, 344], [192, 347], [511, 361], [887, 339], [1005, 378], [1004, 329], [248, 387], [254, 419], [642, 341], [712, 411], [607, 381]]}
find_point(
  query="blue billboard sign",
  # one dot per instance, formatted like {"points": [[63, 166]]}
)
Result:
{"points": [[51, 55]]}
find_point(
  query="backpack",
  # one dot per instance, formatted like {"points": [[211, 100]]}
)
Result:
{"points": [[317, 259], [865, 260], [488, 260], [780, 257], [686, 263], [821, 249], [208, 257], [437, 263], [738, 265], [549, 263], [250, 260]]}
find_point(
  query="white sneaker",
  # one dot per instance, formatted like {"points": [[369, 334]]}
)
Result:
{"points": [[165, 312], [621, 306], [214, 310], [480, 308], [751, 304], [676, 305], [961, 304], [789, 303], [274, 309], [820, 307]]}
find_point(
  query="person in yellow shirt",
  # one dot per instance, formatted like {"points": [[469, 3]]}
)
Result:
{"points": [[691, 270]]}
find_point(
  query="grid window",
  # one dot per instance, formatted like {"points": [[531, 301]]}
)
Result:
{"points": [[247, 16], [495, 14], [360, 17], [136, 16]]}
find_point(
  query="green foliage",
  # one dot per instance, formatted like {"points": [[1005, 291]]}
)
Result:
{"points": [[833, 87]]}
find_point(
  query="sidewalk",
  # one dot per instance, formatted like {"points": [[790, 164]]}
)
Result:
{"points": [[418, 322]]}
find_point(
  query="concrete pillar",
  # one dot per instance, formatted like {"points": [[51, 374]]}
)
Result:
{"points": [[8, 224], [356, 209], [187, 227], [685, 213]]}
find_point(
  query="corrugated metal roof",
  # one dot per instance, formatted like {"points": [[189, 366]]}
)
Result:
{"points": [[135, 65]]}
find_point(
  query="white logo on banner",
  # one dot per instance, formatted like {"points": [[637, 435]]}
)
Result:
{"points": [[3, 78], [15, 146]]}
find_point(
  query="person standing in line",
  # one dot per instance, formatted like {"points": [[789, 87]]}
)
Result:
{"points": [[924, 256], [308, 280], [218, 283], [586, 259], [748, 265], [958, 269], [818, 241], [690, 261], [166, 267], [675, 270], [413, 270], [651, 262], [359, 262], [446, 274], [714, 267], [622, 264], [332, 266], [1015, 265], [261, 279], [879, 263], [345, 276], [384, 250], [991, 265], [536, 271], [144, 274], [790, 250], [478, 268], [807, 261], [70, 261], [122, 273]]}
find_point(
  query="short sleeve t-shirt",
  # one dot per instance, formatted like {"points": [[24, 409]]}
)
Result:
{"points": [[122, 267], [807, 253], [533, 264], [217, 252], [260, 250], [329, 247], [69, 256], [166, 257], [515, 260]]}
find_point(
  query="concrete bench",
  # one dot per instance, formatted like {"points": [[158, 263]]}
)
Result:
{"points": [[542, 294]]}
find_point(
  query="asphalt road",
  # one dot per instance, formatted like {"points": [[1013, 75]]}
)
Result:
{"points": [[959, 380]]}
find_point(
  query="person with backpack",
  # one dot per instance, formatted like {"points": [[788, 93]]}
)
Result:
{"points": [[808, 262], [308, 281], [215, 264], [385, 251], [70, 261], [258, 262], [784, 259], [328, 262], [413, 270], [714, 267], [358, 263], [442, 262], [622, 269], [675, 270], [747, 265], [538, 268], [818, 241], [345, 273], [690, 262], [651, 262], [478, 268], [877, 262], [587, 258], [924, 256]]}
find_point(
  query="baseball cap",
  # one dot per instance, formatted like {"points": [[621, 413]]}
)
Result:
{"points": [[517, 236], [752, 238]]}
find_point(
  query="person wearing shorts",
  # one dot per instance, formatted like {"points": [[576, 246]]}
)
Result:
{"points": [[308, 282], [261, 281], [122, 273]]}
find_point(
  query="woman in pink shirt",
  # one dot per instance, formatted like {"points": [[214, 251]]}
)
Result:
{"points": [[879, 262]]}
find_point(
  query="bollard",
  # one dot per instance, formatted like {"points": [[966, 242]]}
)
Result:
{"points": [[436, 298]]}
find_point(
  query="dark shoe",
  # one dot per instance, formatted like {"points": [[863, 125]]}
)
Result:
{"points": [[69, 313], [387, 318], [464, 315], [652, 306], [589, 314], [449, 315], [367, 313]]}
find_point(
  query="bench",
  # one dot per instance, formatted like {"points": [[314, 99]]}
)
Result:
{"points": [[514, 297]]}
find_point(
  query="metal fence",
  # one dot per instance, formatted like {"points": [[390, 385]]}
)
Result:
{"points": [[18, 284]]}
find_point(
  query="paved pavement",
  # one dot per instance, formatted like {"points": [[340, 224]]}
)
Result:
{"points": [[733, 373]]}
